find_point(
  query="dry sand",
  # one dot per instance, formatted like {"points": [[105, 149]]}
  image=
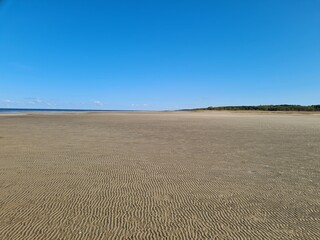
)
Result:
{"points": [[175, 175]]}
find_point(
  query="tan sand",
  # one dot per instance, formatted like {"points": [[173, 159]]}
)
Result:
{"points": [[174, 175]]}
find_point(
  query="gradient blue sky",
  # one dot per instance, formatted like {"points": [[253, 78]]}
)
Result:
{"points": [[159, 54]]}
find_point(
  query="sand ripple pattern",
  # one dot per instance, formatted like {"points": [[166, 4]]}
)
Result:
{"points": [[159, 176]]}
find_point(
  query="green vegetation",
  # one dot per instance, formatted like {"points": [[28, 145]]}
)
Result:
{"points": [[284, 107]]}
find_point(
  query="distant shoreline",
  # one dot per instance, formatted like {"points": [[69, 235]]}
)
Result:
{"points": [[36, 110]]}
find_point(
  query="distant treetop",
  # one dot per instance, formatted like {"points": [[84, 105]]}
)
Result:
{"points": [[283, 107]]}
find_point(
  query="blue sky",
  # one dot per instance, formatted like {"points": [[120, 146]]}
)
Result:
{"points": [[160, 54]]}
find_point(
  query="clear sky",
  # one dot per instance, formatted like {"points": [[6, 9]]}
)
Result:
{"points": [[158, 54]]}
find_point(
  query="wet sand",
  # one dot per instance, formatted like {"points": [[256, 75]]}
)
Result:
{"points": [[166, 175]]}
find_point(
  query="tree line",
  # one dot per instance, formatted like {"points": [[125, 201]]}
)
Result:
{"points": [[283, 107]]}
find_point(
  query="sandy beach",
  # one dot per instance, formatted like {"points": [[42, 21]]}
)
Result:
{"points": [[159, 175]]}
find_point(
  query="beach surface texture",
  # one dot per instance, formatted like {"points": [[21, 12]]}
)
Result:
{"points": [[159, 175]]}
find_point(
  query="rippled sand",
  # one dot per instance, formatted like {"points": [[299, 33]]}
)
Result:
{"points": [[176, 175]]}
